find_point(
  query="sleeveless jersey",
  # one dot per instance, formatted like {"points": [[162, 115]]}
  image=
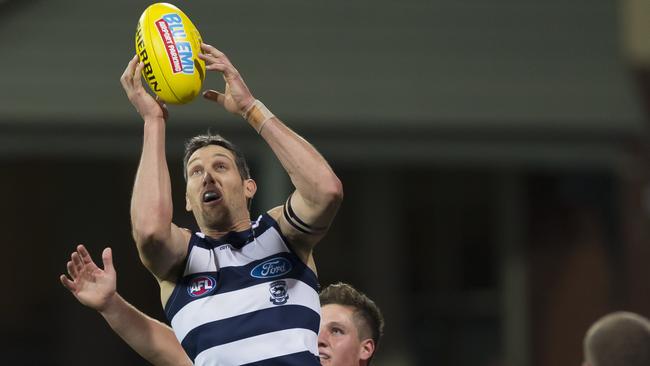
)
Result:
{"points": [[246, 299]]}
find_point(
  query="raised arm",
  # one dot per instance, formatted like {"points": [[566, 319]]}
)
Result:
{"points": [[96, 288], [160, 243], [308, 212]]}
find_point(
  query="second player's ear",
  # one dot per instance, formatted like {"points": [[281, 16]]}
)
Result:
{"points": [[367, 349], [188, 206], [250, 187]]}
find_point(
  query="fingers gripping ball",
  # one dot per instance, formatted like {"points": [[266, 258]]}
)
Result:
{"points": [[168, 44]]}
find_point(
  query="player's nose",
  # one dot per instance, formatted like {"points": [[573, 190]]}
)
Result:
{"points": [[322, 339], [207, 178]]}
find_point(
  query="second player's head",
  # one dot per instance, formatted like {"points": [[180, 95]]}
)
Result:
{"points": [[618, 339], [219, 187], [351, 326]]}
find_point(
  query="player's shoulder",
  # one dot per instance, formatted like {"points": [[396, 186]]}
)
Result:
{"points": [[183, 234], [275, 213]]}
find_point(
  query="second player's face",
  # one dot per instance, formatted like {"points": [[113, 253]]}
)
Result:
{"points": [[338, 338], [215, 191]]}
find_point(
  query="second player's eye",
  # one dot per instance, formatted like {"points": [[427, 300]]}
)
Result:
{"points": [[195, 172]]}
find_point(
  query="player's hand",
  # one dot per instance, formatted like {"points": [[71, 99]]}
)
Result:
{"points": [[236, 97], [91, 285], [144, 103]]}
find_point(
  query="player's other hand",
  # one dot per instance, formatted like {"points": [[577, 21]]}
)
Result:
{"points": [[236, 97], [91, 285], [144, 103]]}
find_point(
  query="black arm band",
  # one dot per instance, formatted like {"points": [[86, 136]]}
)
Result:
{"points": [[296, 222]]}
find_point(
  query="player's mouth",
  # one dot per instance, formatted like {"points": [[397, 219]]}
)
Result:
{"points": [[212, 196], [323, 356]]}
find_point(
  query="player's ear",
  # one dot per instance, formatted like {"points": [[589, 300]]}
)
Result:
{"points": [[188, 206], [366, 349], [250, 187]]}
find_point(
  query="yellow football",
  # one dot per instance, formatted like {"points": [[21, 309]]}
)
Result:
{"points": [[168, 44]]}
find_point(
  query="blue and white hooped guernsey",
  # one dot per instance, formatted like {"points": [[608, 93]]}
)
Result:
{"points": [[246, 299]]}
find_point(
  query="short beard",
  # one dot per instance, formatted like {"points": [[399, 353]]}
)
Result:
{"points": [[221, 220]]}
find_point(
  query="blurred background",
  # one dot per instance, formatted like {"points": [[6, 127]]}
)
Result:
{"points": [[494, 157]]}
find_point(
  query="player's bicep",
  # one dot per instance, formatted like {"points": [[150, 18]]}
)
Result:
{"points": [[163, 256], [306, 219], [304, 222]]}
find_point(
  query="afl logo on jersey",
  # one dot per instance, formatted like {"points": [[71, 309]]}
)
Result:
{"points": [[274, 267], [201, 285]]}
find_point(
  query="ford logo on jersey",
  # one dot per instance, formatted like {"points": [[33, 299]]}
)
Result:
{"points": [[274, 267], [201, 285]]}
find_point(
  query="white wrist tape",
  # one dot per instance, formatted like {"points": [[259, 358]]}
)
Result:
{"points": [[257, 115]]}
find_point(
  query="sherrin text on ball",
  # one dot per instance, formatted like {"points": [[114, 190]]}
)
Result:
{"points": [[168, 44]]}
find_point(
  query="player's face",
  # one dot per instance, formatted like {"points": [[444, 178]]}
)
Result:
{"points": [[338, 338], [215, 191]]}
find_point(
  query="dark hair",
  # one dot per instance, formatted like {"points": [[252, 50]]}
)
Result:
{"points": [[201, 141], [366, 312]]}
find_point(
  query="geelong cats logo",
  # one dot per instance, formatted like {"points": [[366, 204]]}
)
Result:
{"points": [[278, 290]]}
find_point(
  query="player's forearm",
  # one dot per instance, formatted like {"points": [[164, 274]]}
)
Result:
{"points": [[151, 202], [310, 173], [150, 338]]}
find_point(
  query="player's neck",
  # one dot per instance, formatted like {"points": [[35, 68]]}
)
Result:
{"points": [[220, 230]]}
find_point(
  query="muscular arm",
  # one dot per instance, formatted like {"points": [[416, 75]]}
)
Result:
{"points": [[151, 339], [96, 288], [318, 192], [160, 243]]}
